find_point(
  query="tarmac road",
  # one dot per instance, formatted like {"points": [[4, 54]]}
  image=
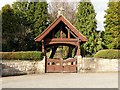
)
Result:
{"points": [[62, 80]]}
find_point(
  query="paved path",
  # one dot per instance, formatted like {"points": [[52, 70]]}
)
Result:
{"points": [[62, 80]]}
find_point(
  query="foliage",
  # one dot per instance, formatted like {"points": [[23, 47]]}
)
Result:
{"points": [[112, 27], [86, 24], [99, 39], [108, 53], [23, 55], [9, 28], [35, 13], [22, 23]]}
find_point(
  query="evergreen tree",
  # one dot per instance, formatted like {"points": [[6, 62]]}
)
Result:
{"points": [[34, 14], [86, 24], [10, 28], [100, 43], [112, 27], [22, 23]]}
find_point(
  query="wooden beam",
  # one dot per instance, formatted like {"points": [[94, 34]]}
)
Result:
{"points": [[78, 52], [43, 48], [61, 40], [75, 53], [58, 43], [71, 32], [53, 51], [70, 52], [78, 49], [68, 34]]}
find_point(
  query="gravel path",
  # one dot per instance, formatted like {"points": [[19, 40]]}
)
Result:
{"points": [[62, 80]]}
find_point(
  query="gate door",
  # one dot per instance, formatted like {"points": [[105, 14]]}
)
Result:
{"points": [[57, 65]]}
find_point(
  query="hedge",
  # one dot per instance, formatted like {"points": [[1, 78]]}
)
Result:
{"points": [[108, 54], [23, 55]]}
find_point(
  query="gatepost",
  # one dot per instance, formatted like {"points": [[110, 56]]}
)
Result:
{"points": [[41, 66], [79, 62]]}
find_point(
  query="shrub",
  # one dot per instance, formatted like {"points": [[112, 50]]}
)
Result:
{"points": [[23, 55], [108, 54]]}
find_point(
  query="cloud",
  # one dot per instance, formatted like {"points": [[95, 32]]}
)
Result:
{"points": [[100, 16], [100, 19], [3, 3], [100, 6]]}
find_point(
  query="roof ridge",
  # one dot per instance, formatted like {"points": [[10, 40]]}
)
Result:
{"points": [[67, 23]]}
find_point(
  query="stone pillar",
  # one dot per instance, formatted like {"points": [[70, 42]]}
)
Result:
{"points": [[41, 66], [79, 64]]}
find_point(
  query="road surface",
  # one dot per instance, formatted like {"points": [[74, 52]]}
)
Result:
{"points": [[62, 80]]}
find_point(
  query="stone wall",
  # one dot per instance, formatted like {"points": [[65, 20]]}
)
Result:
{"points": [[97, 65], [18, 67]]}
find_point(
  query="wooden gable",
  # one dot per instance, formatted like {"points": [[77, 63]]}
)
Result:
{"points": [[55, 23]]}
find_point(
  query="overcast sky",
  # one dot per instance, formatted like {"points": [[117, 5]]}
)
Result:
{"points": [[99, 5]]}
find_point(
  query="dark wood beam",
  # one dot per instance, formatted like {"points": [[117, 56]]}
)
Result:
{"points": [[75, 51], [53, 51], [70, 52]]}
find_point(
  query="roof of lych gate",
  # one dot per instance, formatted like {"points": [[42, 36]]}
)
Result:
{"points": [[56, 22]]}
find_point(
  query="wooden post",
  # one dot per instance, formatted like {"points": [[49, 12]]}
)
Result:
{"points": [[78, 49], [43, 48], [70, 52], [68, 34]]}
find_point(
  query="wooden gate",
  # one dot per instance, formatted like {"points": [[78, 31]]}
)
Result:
{"points": [[57, 65]]}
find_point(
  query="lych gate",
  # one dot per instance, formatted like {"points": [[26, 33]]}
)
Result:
{"points": [[61, 33]]}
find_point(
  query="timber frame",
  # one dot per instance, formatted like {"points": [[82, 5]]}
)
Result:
{"points": [[61, 24], [61, 33]]}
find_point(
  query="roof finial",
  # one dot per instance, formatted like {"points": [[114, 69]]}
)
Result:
{"points": [[60, 11]]}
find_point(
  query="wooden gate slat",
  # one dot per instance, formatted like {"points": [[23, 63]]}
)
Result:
{"points": [[56, 65]]}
